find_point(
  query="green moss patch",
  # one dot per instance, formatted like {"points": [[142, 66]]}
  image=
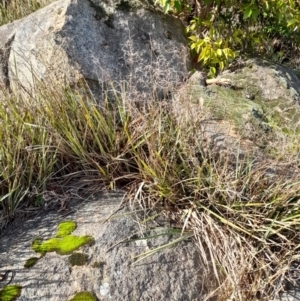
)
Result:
{"points": [[63, 243], [65, 228], [31, 262], [77, 259], [11, 292], [84, 296], [62, 246]]}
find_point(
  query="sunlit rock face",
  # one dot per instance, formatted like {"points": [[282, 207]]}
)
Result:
{"points": [[98, 43]]}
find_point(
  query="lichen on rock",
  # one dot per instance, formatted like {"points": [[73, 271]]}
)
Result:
{"points": [[77, 259], [257, 112]]}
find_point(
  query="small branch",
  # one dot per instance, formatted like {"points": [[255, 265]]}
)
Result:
{"points": [[218, 81]]}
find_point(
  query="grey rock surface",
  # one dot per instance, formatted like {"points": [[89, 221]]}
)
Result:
{"points": [[111, 272], [253, 109], [290, 296], [98, 42]]}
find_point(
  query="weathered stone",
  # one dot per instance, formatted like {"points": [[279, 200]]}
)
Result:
{"points": [[98, 42], [112, 271], [256, 111]]}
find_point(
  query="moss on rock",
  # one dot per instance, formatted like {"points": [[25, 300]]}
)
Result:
{"points": [[65, 228], [31, 262], [63, 243], [78, 259], [84, 296], [62, 246], [261, 104], [10, 292], [98, 264]]}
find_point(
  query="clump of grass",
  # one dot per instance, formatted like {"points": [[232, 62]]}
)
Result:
{"points": [[59, 137], [11, 10], [27, 155], [243, 213], [244, 217]]}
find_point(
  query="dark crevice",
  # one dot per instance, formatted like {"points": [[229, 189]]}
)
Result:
{"points": [[4, 60]]}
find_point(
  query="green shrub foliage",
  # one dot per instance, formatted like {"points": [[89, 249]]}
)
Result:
{"points": [[221, 30]]}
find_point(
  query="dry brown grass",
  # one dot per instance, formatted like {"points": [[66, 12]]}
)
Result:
{"points": [[11, 10], [243, 214]]}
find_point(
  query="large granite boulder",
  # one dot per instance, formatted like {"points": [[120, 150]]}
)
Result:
{"points": [[97, 42]]}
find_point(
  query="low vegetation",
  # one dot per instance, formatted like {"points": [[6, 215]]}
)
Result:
{"points": [[220, 31], [11, 10], [244, 219], [62, 143]]}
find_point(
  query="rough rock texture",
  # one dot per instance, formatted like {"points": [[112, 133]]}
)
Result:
{"points": [[111, 272], [98, 42], [290, 296], [252, 109]]}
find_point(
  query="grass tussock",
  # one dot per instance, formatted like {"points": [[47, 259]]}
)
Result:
{"points": [[243, 217], [11, 10], [243, 213]]}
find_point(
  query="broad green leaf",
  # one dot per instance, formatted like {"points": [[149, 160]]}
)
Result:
{"points": [[219, 52], [178, 5], [221, 65], [255, 12], [292, 22], [204, 55], [193, 26], [247, 12], [219, 42], [167, 7], [212, 54], [193, 38], [214, 61], [212, 70], [267, 5], [207, 40], [225, 51]]}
